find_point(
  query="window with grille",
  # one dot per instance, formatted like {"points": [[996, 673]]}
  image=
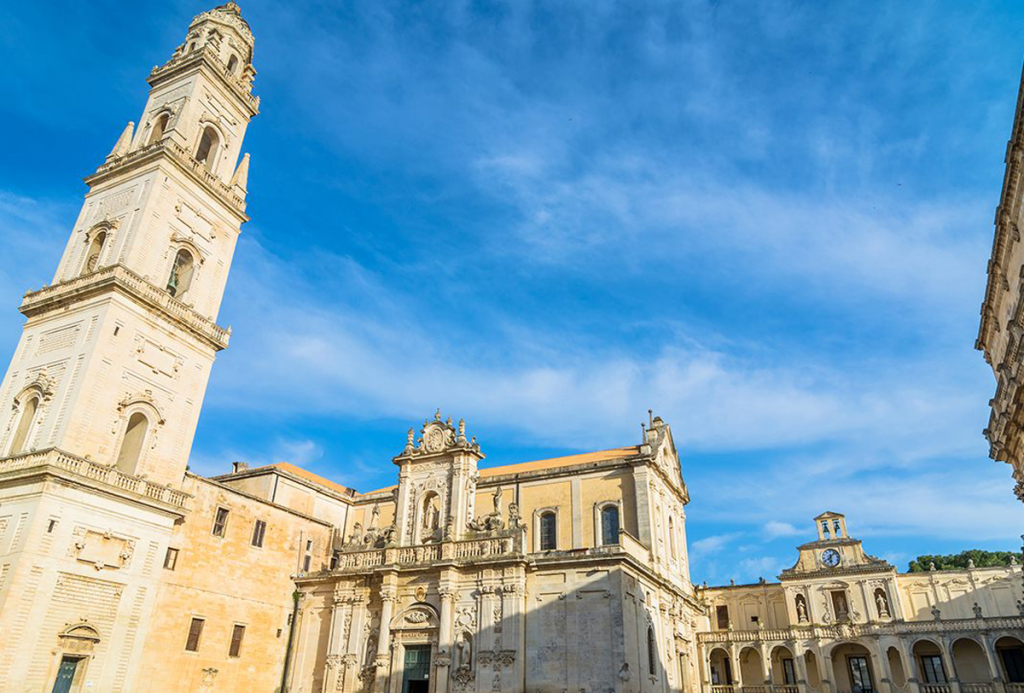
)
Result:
{"points": [[236, 640], [722, 612], [195, 631], [548, 531], [259, 530]]}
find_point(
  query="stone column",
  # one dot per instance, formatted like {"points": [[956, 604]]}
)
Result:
{"points": [[388, 596], [881, 662], [444, 640], [910, 664], [737, 669], [993, 665], [766, 665], [800, 664], [828, 674], [336, 644], [947, 662]]}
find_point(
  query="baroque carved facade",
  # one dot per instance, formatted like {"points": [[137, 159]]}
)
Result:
{"points": [[1002, 313], [122, 571]]}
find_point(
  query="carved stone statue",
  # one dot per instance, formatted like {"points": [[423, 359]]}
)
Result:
{"points": [[515, 520], [624, 674], [882, 604], [977, 610], [801, 610], [497, 500]]}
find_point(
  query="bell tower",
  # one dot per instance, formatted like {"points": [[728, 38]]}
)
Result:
{"points": [[115, 355]]}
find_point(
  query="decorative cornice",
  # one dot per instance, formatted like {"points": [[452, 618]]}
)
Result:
{"points": [[207, 58], [175, 153], [120, 278]]}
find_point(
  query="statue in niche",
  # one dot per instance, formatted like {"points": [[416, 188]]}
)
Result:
{"points": [[801, 609], [882, 603], [431, 513]]}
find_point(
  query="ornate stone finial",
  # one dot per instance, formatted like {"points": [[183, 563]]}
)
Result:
{"points": [[123, 142], [437, 414], [410, 443], [1013, 559], [970, 564], [241, 178], [497, 500], [462, 431], [931, 566]]}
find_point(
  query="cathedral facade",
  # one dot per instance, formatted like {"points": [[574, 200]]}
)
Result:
{"points": [[120, 570], [1002, 313]]}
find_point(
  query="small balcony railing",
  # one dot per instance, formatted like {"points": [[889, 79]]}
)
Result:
{"points": [[102, 473]]}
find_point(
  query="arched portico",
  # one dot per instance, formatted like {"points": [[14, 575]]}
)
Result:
{"points": [[720, 673], [853, 669]]}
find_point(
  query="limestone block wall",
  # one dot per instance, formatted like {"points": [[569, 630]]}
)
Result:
{"points": [[72, 556], [228, 581]]}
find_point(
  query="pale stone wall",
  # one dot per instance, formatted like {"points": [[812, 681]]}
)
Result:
{"points": [[72, 554], [228, 581]]}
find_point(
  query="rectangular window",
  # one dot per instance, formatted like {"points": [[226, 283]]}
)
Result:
{"points": [[220, 522], [258, 531], [860, 676], [236, 640], [931, 667], [548, 531], [722, 612], [306, 562], [789, 672], [195, 630], [171, 559]]}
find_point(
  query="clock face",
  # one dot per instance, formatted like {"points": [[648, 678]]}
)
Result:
{"points": [[830, 557]]}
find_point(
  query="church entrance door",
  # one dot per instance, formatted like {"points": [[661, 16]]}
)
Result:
{"points": [[416, 676], [66, 674]]}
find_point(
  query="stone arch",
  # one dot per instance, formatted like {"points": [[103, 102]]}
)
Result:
{"points": [[813, 670], [931, 665], [159, 124], [210, 142], [126, 427], [28, 409], [781, 672], [969, 660], [852, 659], [751, 667], [897, 666], [720, 670]]}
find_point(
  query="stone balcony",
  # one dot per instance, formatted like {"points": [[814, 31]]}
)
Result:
{"points": [[184, 160], [846, 631], [110, 478], [122, 278]]}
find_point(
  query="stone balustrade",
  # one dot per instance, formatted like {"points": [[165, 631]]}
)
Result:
{"points": [[184, 159], [95, 471], [855, 630], [241, 87], [504, 543], [120, 275]]}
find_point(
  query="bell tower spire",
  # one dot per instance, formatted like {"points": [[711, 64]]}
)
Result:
{"points": [[116, 352]]}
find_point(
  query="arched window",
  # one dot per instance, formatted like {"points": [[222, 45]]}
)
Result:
{"points": [[672, 538], [92, 256], [181, 274], [548, 531], [28, 415], [652, 652], [610, 524], [159, 127], [206, 153], [131, 446], [232, 64]]}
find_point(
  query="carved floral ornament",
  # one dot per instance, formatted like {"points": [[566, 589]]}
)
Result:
{"points": [[438, 436]]}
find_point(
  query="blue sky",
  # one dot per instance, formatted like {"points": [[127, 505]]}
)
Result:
{"points": [[767, 221]]}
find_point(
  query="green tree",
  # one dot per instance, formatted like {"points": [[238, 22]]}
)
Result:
{"points": [[959, 561]]}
